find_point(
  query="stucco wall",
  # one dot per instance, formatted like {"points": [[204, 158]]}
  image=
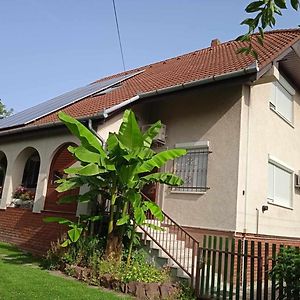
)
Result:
{"points": [[46, 144], [206, 114], [266, 133]]}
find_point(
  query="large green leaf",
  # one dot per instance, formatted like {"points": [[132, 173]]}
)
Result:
{"points": [[85, 155], [139, 154], [126, 174], [123, 220], [88, 170], [57, 220], [87, 138], [160, 159], [134, 197], [151, 133], [155, 210], [66, 243], [86, 197], [130, 134], [155, 227], [112, 142], [68, 184], [139, 215], [166, 178], [74, 233], [94, 218]]}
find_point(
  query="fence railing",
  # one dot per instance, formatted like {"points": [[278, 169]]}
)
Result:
{"points": [[222, 267], [237, 269], [177, 243]]}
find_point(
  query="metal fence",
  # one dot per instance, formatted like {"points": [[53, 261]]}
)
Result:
{"points": [[236, 269]]}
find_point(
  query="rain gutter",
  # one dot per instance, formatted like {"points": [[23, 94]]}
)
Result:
{"points": [[252, 69], [246, 71]]}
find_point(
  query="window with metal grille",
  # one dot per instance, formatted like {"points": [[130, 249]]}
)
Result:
{"points": [[192, 168]]}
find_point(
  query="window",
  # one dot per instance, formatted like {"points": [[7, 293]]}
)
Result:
{"points": [[280, 184], [192, 167], [31, 171], [282, 101]]}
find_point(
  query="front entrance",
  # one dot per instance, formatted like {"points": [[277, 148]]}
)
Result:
{"points": [[63, 159]]}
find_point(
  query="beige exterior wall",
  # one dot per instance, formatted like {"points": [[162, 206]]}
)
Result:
{"points": [[205, 114], [18, 148], [241, 131], [17, 151], [266, 133], [111, 125]]}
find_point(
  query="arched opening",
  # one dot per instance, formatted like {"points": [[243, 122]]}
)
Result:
{"points": [[31, 171], [25, 178], [62, 159], [3, 167]]}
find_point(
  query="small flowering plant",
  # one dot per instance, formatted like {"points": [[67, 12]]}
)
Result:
{"points": [[23, 193]]}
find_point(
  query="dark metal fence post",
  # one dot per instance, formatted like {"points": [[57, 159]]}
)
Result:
{"points": [[198, 270]]}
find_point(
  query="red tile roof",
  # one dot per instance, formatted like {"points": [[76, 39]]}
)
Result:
{"points": [[200, 64]]}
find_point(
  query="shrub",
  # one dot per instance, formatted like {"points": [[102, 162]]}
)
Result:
{"points": [[142, 271], [86, 252], [286, 272]]}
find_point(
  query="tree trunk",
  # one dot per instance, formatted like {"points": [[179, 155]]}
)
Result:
{"points": [[114, 246], [131, 244], [114, 238]]}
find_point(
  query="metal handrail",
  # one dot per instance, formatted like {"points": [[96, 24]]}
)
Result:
{"points": [[188, 234], [184, 254]]}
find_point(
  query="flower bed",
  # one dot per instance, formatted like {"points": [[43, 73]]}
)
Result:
{"points": [[140, 290], [85, 261]]}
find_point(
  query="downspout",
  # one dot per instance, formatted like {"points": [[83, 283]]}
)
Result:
{"points": [[247, 160], [257, 220], [100, 138]]}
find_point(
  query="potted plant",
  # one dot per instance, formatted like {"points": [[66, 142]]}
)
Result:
{"points": [[23, 197]]}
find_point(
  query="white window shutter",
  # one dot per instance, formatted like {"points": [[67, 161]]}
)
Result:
{"points": [[284, 102]]}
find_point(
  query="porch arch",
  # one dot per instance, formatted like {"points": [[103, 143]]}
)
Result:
{"points": [[26, 169], [3, 168], [61, 160]]}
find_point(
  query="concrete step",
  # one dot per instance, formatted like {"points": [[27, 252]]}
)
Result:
{"points": [[176, 248], [172, 245]]}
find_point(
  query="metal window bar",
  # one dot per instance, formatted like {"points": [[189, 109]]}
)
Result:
{"points": [[192, 168]]}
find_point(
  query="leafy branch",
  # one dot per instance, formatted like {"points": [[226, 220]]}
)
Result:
{"points": [[264, 16]]}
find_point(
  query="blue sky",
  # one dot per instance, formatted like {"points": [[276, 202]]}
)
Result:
{"points": [[50, 47]]}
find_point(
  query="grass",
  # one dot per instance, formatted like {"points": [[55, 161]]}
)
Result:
{"points": [[22, 278]]}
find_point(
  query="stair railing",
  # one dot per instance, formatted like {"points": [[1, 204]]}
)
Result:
{"points": [[186, 255]]}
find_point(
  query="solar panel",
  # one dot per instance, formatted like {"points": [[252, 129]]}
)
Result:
{"points": [[52, 105]]}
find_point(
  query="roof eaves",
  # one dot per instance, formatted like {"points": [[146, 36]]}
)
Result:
{"points": [[251, 69]]}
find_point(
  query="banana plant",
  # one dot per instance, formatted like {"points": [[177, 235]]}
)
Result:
{"points": [[118, 171], [75, 228]]}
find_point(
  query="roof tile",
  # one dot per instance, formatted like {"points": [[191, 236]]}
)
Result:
{"points": [[196, 65]]}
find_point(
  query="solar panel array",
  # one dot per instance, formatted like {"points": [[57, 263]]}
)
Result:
{"points": [[52, 105]]}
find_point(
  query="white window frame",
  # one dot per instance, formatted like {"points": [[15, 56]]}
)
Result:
{"points": [[282, 84], [201, 145], [281, 165]]}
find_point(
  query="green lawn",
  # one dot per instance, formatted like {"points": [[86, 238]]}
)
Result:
{"points": [[22, 279]]}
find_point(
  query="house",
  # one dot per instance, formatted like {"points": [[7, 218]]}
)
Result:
{"points": [[238, 118]]}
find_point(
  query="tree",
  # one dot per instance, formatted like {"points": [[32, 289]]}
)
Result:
{"points": [[264, 16], [4, 112], [117, 172]]}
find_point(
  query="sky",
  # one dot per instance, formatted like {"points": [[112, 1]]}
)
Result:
{"points": [[51, 47]]}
